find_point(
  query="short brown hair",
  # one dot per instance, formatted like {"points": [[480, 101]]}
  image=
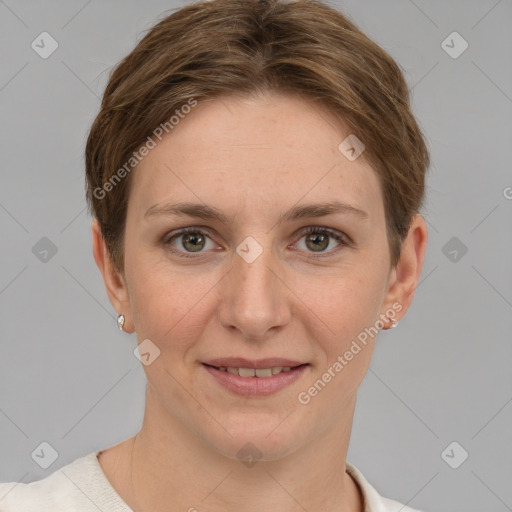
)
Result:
{"points": [[215, 48]]}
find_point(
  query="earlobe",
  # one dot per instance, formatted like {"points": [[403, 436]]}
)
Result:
{"points": [[405, 276], [113, 280]]}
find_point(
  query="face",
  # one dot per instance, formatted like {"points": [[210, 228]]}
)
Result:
{"points": [[256, 281]]}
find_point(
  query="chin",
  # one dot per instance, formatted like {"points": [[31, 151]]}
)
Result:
{"points": [[254, 438]]}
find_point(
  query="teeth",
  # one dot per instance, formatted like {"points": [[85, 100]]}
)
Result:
{"points": [[264, 372], [256, 372], [246, 372]]}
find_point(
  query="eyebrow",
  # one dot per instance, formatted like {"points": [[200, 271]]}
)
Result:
{"points": [[204, 211]]}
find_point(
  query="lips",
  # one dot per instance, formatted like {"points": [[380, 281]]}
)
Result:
{"points": [[254, 378], [263, 368]]}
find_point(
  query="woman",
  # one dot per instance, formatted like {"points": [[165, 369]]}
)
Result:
{"points": [[255, 176]]}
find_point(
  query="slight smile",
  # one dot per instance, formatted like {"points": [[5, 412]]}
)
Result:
{"points": [[255, 378]]}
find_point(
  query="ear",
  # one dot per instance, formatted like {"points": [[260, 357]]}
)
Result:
{"points": [[403, 279], [114, 280]]}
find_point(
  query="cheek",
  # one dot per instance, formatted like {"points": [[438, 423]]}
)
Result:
{"points": [[345, 301], [169, 305], [343, 327]]}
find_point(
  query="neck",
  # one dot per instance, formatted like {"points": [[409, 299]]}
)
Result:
{"points": [[173, 469]]}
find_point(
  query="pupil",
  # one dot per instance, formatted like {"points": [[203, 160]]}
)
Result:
{"points": [[192, 237], [315, 238]]}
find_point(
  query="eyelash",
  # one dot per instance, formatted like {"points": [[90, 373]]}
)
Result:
{"points": [[343, 240]]}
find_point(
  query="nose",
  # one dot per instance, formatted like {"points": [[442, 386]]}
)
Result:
{"points": [[255, 300]]}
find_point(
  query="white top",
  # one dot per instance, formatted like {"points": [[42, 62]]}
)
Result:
{"points": [[82, 486]]}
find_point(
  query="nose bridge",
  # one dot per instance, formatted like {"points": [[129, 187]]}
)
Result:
{"points": [[253, 272], [254, 301]]}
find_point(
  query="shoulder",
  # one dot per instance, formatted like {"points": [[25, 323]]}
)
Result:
{"points": [[373, 501], [78, 486]]}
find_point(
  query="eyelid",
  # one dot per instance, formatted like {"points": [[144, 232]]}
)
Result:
{"points": [[340, 237], [176, 233], [334, 233], [183, 231]]}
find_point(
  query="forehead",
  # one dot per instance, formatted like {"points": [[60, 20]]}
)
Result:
{"points": [[255, 153]]}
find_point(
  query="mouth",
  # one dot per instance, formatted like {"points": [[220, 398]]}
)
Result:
{"points": [[261, 373], [255, 378]]}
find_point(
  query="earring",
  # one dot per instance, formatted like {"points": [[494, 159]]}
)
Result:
{"points": [[120, 322], [394, 323]]}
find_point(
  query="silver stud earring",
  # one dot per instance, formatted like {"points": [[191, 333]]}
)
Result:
{"points": [[120, 322], [394, 323]]}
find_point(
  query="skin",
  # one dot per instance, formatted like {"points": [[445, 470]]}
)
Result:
{"points": [[254, 159]]}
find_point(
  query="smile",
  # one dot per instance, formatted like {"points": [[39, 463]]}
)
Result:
{"points": [[254, 372], [255, 382]]}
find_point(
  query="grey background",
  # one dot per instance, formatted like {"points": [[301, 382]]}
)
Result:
{"points": [[69, 377]]}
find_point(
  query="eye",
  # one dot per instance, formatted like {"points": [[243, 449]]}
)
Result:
{"points": [[317, 240], [188, 241]]}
